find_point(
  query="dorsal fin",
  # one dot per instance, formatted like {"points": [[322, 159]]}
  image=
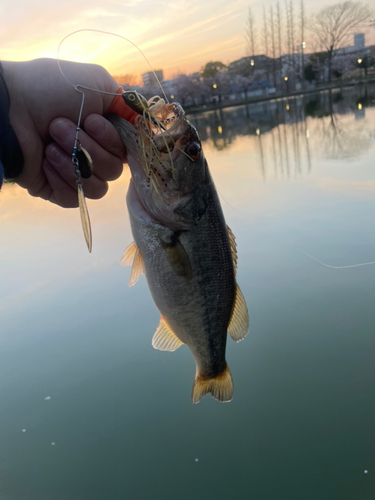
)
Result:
{"points": [[238, 326], [233, 249], [129, 254], [164, 338], [137, 268]]}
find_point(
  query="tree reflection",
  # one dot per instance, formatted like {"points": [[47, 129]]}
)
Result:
{"points": [[343, 137], [287, 131]]}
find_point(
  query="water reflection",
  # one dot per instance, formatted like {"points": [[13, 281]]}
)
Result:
{"points": [[287, 131], [303, 415]]}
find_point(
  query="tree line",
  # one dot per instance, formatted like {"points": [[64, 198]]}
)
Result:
{"points": [[277, 54], [282, 34]]}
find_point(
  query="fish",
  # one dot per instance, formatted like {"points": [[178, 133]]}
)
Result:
{"points": [[183, 245]]}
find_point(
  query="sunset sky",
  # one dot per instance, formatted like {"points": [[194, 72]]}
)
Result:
{"points": [[176, 36]]}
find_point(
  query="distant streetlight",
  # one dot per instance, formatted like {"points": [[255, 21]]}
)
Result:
{"points": [[303, 45], [172, 96], [219, 129], [214, 86], [257, 132], [287, 106], [252, 62], [286, 84], [359, 61], [359, 105]]}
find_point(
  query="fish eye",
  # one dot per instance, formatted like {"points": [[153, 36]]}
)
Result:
{"points": [[194, 151], [131, 97]]}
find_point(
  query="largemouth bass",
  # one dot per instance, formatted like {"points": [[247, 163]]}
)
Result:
{"points": [[184, 247]]}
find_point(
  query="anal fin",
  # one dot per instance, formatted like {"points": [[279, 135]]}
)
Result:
{"points": [[238, 326], [220, 387], [164, 338]]}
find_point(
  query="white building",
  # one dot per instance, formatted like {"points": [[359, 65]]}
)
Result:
{"points": [[149, 77]]}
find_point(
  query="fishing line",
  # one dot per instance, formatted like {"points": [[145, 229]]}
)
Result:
{"points": [[229, 205], [105, 33], [351, 266], [335, 267]]}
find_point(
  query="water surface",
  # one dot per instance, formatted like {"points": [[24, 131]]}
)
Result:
{"points": [[296, 177]]}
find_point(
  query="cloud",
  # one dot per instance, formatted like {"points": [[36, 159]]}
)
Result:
{"points": [[162, 29]]}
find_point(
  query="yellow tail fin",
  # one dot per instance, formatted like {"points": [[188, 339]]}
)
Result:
{"points": [[220, 387]]}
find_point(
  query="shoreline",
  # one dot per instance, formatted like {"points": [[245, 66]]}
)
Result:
{"points": [[229, 104]]}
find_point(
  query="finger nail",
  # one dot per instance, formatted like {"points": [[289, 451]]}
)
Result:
{"points": [[54, 155], [95, 125]]}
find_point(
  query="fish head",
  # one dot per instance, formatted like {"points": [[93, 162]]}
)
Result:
{"points": [[177, 174], [168, 166]]}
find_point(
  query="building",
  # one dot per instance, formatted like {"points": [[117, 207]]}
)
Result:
{"points": [[250, 63], [358, 47], [149, 77], [359, 41]]}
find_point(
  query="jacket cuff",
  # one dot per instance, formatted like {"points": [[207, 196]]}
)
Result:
{"points": [[10, 150]]}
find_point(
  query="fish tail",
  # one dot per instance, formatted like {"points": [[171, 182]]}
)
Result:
{"points": [[220, 387]]}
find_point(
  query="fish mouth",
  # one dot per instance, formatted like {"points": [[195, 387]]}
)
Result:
{"points": [[181, 139]]}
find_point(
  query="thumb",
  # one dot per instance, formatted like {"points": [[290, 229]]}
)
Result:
{"points": [[105, 134]]}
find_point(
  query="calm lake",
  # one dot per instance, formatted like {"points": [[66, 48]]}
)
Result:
{"points": [[90, 411]]}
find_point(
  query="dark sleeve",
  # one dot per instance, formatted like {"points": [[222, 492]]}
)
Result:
{"points": [[11, 158]]}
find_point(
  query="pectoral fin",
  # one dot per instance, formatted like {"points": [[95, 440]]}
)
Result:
{"points": [[178, 259], [133, 257], [164, 338], [238, 326], [129, 254], [137, 268], [233, 248]]}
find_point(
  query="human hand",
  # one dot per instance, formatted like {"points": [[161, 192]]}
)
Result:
{"points": [[44, 110]]}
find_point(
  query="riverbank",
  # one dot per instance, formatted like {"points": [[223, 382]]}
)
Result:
{"points": [[279, 95]]}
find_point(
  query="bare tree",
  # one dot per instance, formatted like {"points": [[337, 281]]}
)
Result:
{"points": [[334, 25], [279, 28], [303, 45], [250, 34], [292, 30], [293, 61], [288, 37], [265, 32], [272, 27]]}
